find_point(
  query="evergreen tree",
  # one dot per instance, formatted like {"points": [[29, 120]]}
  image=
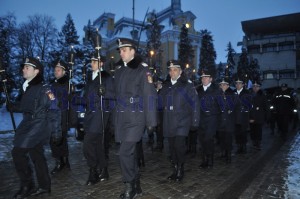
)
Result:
{"points": [[243, 65], [208, 54], [153, 48], [254, 73], [230, 60], [185, 51], [220, 71], [69, 33]]}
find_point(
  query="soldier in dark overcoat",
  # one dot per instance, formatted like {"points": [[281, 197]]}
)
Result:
{"points": [[98, 109], [243, 106], [284, 106], [258, 114], [208, 93], [60, 151], [41, 118], [136, 109], [180, 113], [227, 120]]}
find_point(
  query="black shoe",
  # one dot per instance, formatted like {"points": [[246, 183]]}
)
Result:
{"points": [[104, 174], [24, 191], [173, 175], [58, 166], [180, 172], [41, 191], [138, 188], [129, 192], [93, 177], [67, 163]]}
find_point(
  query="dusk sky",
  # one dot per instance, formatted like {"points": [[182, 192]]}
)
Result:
{"points": [[221, 17]]}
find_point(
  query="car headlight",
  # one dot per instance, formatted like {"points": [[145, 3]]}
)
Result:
{"points": [[271, 107], [81, 115], [295, 110]]}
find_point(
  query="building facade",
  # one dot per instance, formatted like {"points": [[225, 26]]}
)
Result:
{"points": [[275, 43], [170, 19]]}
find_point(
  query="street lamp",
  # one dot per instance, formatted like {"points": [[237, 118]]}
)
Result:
{"points": [[151, 56]]}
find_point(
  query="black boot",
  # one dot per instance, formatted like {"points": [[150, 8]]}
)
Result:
{"points": [[204, 163], [93, 177], [174, 174], [240, 149], [228, 156], [67, 163], [159, 147], [138, 188], [41, 191], [193, 151], [59, 165], [104, 174], [210, 161], [130, 191], [180, 172], [25, 191]]}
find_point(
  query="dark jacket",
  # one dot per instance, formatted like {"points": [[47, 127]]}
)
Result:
{"points": [[41, 115], [228, 107], [93, 116], [258, 112], [284, 103], [136, 101], [209, 109], [243, 106], [180, 104], [60, 90]]}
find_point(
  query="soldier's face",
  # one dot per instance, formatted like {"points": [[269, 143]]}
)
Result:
{"points": [[29, 72], [239, 85], [224, 86], [206, 80], [174, 73], [59, 72], [127, 54], [95, 66], [255, 88]]}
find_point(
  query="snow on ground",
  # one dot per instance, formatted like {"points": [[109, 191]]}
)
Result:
{"points": [[5, 120]]}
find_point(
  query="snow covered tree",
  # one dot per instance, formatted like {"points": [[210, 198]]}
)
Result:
{"points": [[185, 51], [230, 60], [208, 54]]}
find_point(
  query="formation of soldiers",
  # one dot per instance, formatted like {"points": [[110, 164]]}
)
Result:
{"points": [[189, 117]]}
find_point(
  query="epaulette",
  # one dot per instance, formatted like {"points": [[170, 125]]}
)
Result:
{"points": [[144, 64]]}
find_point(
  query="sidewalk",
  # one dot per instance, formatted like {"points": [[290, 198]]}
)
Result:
{"points": [[197, 183]]}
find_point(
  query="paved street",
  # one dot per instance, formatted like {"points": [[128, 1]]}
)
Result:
{"points": [[257, 174]]}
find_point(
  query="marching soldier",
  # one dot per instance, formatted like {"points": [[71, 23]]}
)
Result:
{"points": [[97, 98], [60, 150], [180, 114], [227, 121], [210, 113], [41, 118], [284, 105], [257, 114], [242, 115], [136, 110]]}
